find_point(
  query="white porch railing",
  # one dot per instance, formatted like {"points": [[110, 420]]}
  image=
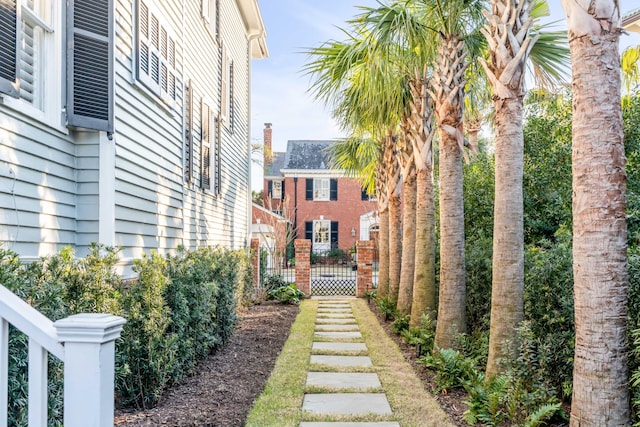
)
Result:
{"points": [[85, 343]]}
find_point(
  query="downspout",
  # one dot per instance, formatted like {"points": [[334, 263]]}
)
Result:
{"points": [[249, 191], [295, 206]]}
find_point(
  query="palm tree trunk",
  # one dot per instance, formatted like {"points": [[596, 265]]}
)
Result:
{"points": [[600, 382], [424, 286], [448, 94], [405, 294], [383, 251], [452, 297], [507, 288], [395, 242]]}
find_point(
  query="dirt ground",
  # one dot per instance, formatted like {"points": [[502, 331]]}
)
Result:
{"points": [[223, 390]]}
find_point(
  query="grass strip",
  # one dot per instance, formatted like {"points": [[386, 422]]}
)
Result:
{"points": [[317, 367], [280, 404], [412, 405], [324, 352]]}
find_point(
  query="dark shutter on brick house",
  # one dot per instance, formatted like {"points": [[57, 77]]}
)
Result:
{"points": [[365, 196], [334, 234], [269, 188], [283, 194], [90, 69], [309, 189], [9, 47], [333, 189], [308, 230]]}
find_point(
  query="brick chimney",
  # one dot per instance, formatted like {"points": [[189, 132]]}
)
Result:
{"points": [[268, 153]]}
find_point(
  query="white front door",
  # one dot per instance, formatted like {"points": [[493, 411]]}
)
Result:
{"points": [[321, 235]]}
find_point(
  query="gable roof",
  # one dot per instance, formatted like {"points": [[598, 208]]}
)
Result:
{"points": [[308, 154]]}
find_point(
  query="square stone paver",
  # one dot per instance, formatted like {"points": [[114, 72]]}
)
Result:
{"points": [[343, 380], [346, 403], [337, 328], [338, 335], [335, 321], [335, 316], [341, 360], [339, 346], [334, 310]]}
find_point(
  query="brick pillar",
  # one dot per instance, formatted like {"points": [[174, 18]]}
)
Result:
{"points": [[303, 265], [255, 261], [364, 282]]}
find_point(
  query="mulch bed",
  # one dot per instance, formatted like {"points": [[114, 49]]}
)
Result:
{"points": [[222, 391]]}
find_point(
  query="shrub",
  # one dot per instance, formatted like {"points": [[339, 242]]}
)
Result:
{"points": [[147, 351], [452, 369], [274, 281], [387, 307], [400, 324], [422, 337], [288, 294]]}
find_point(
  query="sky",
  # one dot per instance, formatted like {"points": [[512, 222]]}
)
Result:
{"points": [[279, 87]]}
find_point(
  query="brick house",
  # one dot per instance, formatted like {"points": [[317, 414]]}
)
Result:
{"points": [[323, 205]]}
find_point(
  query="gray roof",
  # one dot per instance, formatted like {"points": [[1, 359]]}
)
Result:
{"points": [[308, 154], [277, 163], [631, 17]]}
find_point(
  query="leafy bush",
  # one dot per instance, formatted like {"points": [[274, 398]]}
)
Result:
{"points": [[177, 311], [147, 351], [452, 369], [288, 294], [504, 398], [549, 328], [273, 281], [400, 323], [387, 307], [422, 337]]}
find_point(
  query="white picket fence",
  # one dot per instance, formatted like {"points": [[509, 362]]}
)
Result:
{"points": [[85, 343]]}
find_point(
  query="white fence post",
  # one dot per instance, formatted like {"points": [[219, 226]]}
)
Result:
{"points": [[89, 358]]}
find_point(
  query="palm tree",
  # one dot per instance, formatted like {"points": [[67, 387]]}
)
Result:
{"points": [[455, 23], [630, 68], [600, 382], [511, 38], [364, 92]]}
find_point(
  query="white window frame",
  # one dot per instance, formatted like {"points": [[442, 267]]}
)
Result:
{"points": [[47, 18], [322, 232], [166, 60], [276, 189], [321, 189]]}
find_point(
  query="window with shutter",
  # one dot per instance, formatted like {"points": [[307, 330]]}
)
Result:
{"points": [[156, 55], [321, 189], [232, 110], [225, 98], [309, 189], [205, 148], [333, 189], [217, 146], [90, 64], [210, 16], [31, 57], [9, 47], [334, 234], [189, 128]]}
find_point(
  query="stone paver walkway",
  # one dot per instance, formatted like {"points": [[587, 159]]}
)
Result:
{"points": [[342, 376]]}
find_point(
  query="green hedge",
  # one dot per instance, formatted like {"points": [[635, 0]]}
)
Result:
{"points": [[179, 309]]}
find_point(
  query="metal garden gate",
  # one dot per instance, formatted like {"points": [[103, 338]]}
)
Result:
{"points": [[333, 273]]}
